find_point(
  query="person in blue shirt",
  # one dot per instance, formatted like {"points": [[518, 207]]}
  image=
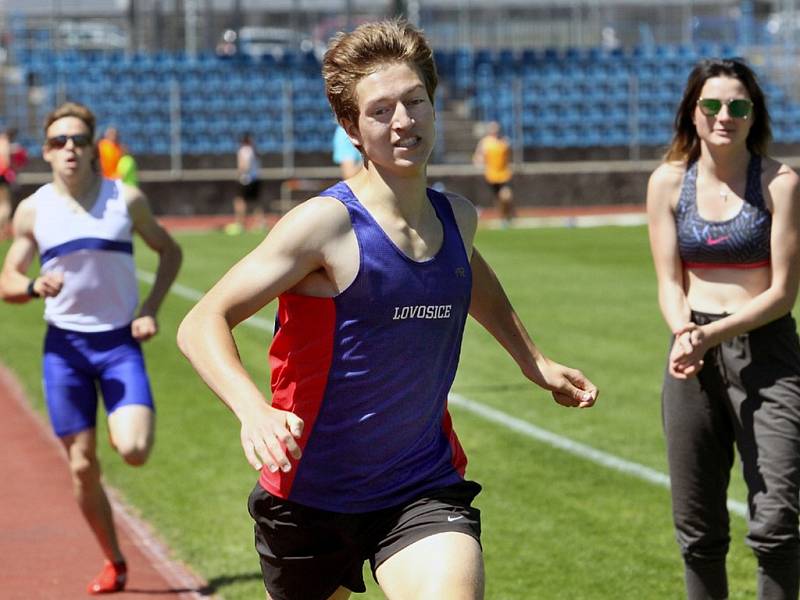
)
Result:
{"points": [[345, 154]]}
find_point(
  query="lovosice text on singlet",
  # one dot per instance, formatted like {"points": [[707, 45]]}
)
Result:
{"points": [[742, 242], [369, 371]]}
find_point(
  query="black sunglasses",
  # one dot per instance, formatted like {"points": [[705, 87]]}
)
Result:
{"points": [[738, 108], [80, 140]]}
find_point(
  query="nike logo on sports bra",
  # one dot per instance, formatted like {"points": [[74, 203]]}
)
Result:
{"points": [[714, 241]]}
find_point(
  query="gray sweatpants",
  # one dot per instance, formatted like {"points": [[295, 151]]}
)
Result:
{"points": [[747, 394]]}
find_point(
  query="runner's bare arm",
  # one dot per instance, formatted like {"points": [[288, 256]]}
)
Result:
{"points": [[491, 307], [14, 280], [293, 249], [169, 261]]}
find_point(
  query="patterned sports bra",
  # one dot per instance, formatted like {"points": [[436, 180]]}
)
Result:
{"points": [[742, 242]]}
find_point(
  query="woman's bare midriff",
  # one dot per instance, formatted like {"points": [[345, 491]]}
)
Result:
{"points": [[717, 291]]}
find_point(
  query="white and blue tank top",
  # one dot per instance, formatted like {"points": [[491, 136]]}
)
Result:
{"points": [[93, 250]]}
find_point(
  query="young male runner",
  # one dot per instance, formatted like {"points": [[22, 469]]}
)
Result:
{"points": [[81, 225], [375, 278]]}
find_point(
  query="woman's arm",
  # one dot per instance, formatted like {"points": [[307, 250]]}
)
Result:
{"points": [[662, 190], [491, 308], [779, 298]]}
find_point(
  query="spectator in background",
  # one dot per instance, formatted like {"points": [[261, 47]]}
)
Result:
{"points": [[12, 158], [110, 151], [724, 222], [247, 167], [493, 154], [345, 154], [127, 169]]}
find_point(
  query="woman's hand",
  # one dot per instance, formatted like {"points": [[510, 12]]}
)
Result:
{"points": [[686, 356]]}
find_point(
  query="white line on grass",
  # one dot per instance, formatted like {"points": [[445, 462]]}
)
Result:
{"points": [[509, 422], [624, 219], [576, 448], [195, 295]]}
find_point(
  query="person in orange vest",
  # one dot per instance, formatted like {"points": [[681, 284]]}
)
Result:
{"points": [[110, 151], [493, 154]]}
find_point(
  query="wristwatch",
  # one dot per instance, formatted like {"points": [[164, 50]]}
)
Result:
{"points": [[32, 292]]}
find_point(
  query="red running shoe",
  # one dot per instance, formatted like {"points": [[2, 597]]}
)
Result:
{"points": [[110, 579]]}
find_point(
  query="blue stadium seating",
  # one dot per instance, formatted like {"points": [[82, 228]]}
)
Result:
{"points": [[567, 96]]}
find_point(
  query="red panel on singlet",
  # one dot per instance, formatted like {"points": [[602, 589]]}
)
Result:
{"points": [[298, 385], [459, 457]]}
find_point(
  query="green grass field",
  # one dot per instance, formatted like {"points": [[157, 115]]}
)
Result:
{"points": [[555, 525]]}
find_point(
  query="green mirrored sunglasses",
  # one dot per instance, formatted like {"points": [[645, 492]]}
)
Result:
{"points": [[739, 108]]}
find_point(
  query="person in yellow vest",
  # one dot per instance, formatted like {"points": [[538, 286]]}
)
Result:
{"points": [[493, 154], [127, 169]]}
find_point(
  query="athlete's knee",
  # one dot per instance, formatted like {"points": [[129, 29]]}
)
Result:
{"points": [[85, 468], [133, 448], [135, 453], [130, 432]]}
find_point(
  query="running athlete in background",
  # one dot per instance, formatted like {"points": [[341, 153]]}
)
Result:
{"points": [[724, 224], [493, 154], [375, 278], [81, 226]]}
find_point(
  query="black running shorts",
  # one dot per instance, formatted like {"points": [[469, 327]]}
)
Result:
{"points": [[309, 553]]}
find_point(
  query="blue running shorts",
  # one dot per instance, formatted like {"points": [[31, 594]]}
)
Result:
{"points": [[75, 362]]}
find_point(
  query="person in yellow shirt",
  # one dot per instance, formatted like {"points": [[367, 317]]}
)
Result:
{"points": [[127, 169], [493, 154], [110, 151]]}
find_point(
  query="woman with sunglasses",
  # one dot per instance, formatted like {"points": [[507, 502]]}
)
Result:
{"points": [[724, 223], [81, 225]]}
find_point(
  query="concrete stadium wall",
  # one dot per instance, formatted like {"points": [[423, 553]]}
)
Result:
{"points": [[551, 184], [555, 184]]}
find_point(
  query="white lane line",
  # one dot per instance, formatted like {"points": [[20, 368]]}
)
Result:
{"points": [[193, 295], [514, 424], [621, 220], [572, 447]]}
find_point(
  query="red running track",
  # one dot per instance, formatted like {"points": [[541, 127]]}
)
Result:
{"points": [[46, 549]]}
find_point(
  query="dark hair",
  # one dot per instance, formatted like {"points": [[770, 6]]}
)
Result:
{"points": [[353, 56], [685, 145]]}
